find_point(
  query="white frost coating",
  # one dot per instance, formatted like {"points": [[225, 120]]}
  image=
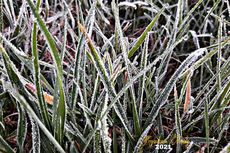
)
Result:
{"points": [[226, 149], [35, 136], [141, 3], [193, 57], [196, 54], [127, 4], [168, 88], [199, 52], [104, 128]]}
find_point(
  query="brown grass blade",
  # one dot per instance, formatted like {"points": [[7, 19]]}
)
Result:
{"points": [[187, 96], [48, 98]]}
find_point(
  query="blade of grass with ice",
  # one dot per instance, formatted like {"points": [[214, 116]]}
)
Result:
{"points": [[60, 115], [36, 139], [37, 74], [206, 118]]}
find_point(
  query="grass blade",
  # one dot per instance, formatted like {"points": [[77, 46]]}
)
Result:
{"points": [[187, 96], [177, 121], [206, 117], [37, 81], [61, 107], [141, 39], [17, 80], [137, 148], [36, 140], [5, 147], [22, 128]]}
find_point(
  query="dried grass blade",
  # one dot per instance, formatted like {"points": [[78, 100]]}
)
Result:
{"points": [[187, 96]]}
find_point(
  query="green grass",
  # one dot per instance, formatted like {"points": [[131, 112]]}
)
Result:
{"points": [[110, 68]]}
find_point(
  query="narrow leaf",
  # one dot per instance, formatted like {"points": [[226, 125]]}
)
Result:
{"points": [[187, 96], [22, 127], [60, 115], [141, 39]]}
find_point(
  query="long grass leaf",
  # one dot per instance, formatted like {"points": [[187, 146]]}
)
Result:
{"points": [[17, 80], [177, 120], [41, 125], [185, 20], [60, 116], [207, 129], [143, 78], [37, 81], [106, 140], [139, 144]]}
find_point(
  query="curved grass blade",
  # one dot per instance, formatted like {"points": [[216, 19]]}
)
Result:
{"points": [[26, 60], [18, 91], [23, 99], [37, 74], [60, 115], [201, 61], [132, 80]]}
